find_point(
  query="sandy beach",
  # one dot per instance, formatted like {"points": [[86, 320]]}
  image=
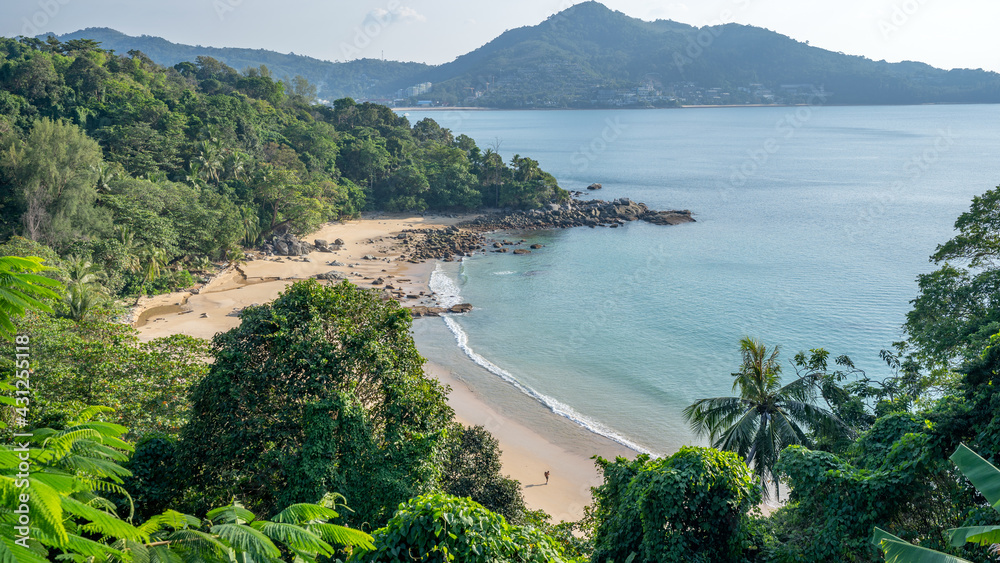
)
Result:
{"points": [[529, 449]]}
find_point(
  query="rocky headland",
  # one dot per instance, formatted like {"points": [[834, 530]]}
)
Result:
{"points": [[577, 213], [416, 245]]}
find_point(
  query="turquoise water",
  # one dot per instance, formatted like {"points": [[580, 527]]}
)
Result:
{"points": [[813, 224]]}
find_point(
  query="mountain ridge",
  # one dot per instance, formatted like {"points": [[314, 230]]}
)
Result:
{"points": [[591, 56]]}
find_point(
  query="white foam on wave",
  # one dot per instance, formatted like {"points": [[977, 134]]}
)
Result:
{"points": [[446, 291], [448, 294], [504, 273]]}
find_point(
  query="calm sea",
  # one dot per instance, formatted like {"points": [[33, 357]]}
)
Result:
{"points": [[813, 224]]}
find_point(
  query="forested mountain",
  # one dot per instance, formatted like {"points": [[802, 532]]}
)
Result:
{"points": [[362, 78], [591, 56], [108, 155]]}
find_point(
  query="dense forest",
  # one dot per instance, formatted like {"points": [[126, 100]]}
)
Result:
{"points": [[116, 159], [311, 433]]}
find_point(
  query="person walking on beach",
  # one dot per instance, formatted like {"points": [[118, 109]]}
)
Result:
{"points": [[546, 477]]}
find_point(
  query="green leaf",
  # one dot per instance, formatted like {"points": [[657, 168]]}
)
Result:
{"points": [[980, 472], [303, 512], [898, 551], [245, 539], [983, 535], [107, 524]]}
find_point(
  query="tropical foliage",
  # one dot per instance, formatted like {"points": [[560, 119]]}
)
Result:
{"points": [[691, 506], [986, 478], [56, 487], [439, 527], [319, 391], [21, 289], [766, 417]]}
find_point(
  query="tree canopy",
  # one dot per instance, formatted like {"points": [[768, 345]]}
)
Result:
{"points": [[320, 391]]}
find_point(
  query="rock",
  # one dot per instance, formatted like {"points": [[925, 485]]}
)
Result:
{"points": [[522, 251], [331, 275], [402, 236], [535, 246], [368, 257], [668, 217], [320, 242], [422, 311], [339, 242], [280, 248], [336, 263], [594, 186], [461, 308]]}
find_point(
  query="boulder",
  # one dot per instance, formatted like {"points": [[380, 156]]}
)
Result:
{"points": [[461, 308], [522, 251], [594, 186]]}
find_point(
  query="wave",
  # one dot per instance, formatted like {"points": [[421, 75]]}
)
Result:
{"points": [[448, 294], [446, 291], [505, 273]]}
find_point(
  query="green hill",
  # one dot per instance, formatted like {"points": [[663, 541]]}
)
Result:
{"points": [[591, 56], [363, 78]]}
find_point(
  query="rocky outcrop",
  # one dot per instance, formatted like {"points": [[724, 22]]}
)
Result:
{"points": [[588, 213], [441, 244], [594, 187]]}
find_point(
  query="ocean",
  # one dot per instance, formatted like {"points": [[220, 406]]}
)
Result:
{"points": [[812, 226]]}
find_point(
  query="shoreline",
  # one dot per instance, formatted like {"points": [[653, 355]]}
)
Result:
{"points": [[533, 439]]}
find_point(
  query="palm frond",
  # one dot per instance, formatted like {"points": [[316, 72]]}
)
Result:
{"points": [[293, 536], [340, 535], [247, 540], [304, 512]]}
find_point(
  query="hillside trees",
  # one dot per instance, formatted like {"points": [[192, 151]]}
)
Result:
{"points": [[956, 311], [364, 422], [52, 176], [94, 140]]}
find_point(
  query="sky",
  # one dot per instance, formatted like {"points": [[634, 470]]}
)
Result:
{"points": [[943, 33]]}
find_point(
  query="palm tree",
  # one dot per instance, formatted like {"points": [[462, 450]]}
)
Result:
{"points": [[129, 251], [766, 417], [209, 158], [85, 289], [153, 261], [21, 288]]}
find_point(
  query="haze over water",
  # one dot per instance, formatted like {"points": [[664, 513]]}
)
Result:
{"points": [[813, 224]]}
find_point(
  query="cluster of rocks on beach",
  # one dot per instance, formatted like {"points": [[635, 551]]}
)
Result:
{"points": [[287, 244]]}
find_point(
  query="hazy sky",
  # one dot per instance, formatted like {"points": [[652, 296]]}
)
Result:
{"points": [[944, 33]]}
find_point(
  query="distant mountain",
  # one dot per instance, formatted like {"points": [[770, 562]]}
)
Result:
{"points": [[364, 78], [591, 56]]}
